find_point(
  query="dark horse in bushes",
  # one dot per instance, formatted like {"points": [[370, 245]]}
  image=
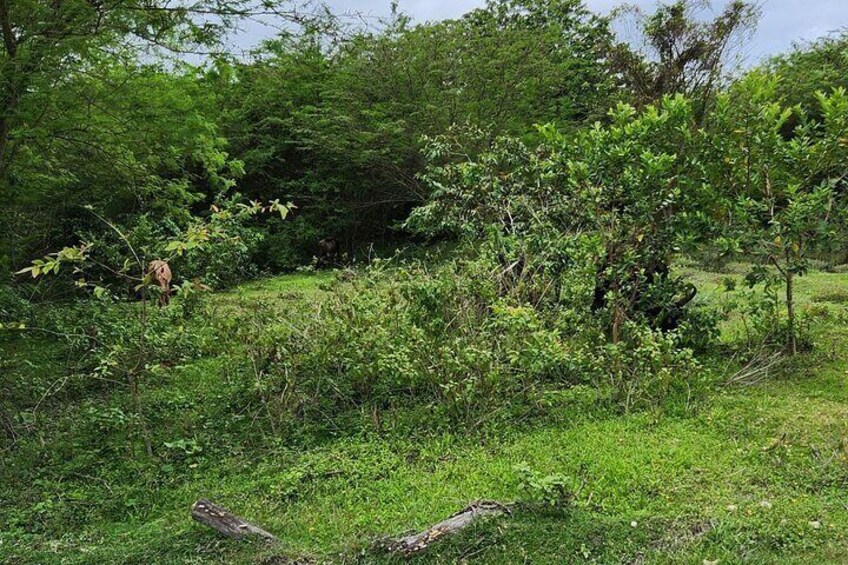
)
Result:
{"points": [[326, 250]]}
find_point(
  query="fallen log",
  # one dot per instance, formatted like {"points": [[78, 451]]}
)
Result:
{"points": [[221, 520], [416, 543]]}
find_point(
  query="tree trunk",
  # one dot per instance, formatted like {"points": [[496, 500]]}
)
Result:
{"points": [[792, 343], [4, 140], [10, 41], [416, 543], [225, 522], [617, 317]]}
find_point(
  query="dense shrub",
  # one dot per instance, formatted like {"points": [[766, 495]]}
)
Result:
{"points": [[14, 308], [646, 368], [225, 262], [621, 201], [450, 337], [409, 336], [289, 245]]}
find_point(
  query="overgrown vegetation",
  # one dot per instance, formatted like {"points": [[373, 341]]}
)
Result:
{"points": [[540, 266]]}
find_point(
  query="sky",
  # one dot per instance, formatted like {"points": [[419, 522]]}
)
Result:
{"points": [[783, 22]]}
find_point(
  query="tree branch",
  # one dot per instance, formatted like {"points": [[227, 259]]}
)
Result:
{"points": [[6, 27]]}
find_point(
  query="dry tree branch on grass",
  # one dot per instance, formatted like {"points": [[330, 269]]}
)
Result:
{"points": [[760, 367]]}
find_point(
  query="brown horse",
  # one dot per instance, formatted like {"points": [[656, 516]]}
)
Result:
{"points": [[327, 249], [160, 273]]}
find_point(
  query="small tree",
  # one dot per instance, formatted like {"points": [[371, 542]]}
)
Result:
{"points": [[783, 187], [643, 192]]}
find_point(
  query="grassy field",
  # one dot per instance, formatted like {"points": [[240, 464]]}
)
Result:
{"points": [[751, 474]]}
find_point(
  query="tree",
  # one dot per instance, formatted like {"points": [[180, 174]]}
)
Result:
{"points": [[46, 42], [785, 194], [616, 201], [337, 125], [92, 114], [807, 69], [678, 52], [125, 138]]}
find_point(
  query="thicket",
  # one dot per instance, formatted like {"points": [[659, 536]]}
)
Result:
{"points": [[338, 128]]}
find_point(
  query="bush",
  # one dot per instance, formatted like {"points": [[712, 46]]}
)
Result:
{"points": [[764, 325], [225, 262], [290, 245], [451, 338], [646, 368], [699, 329], [600, 201], [13, 307], [555, 492], [402, 336]]}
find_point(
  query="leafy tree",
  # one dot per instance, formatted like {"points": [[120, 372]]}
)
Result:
{"points": [[808, 69], [626, 198], [337, 126], [785, 195], [644, 192], [679, 52], [84, 121], [45, 43], [128, 140]]}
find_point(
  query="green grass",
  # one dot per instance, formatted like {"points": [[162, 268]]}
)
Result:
{"points": [[297, 286], [745, 477]]}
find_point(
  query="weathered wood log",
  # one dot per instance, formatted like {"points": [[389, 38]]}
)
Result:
{"points": [[219, 519], [416, 543]]}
